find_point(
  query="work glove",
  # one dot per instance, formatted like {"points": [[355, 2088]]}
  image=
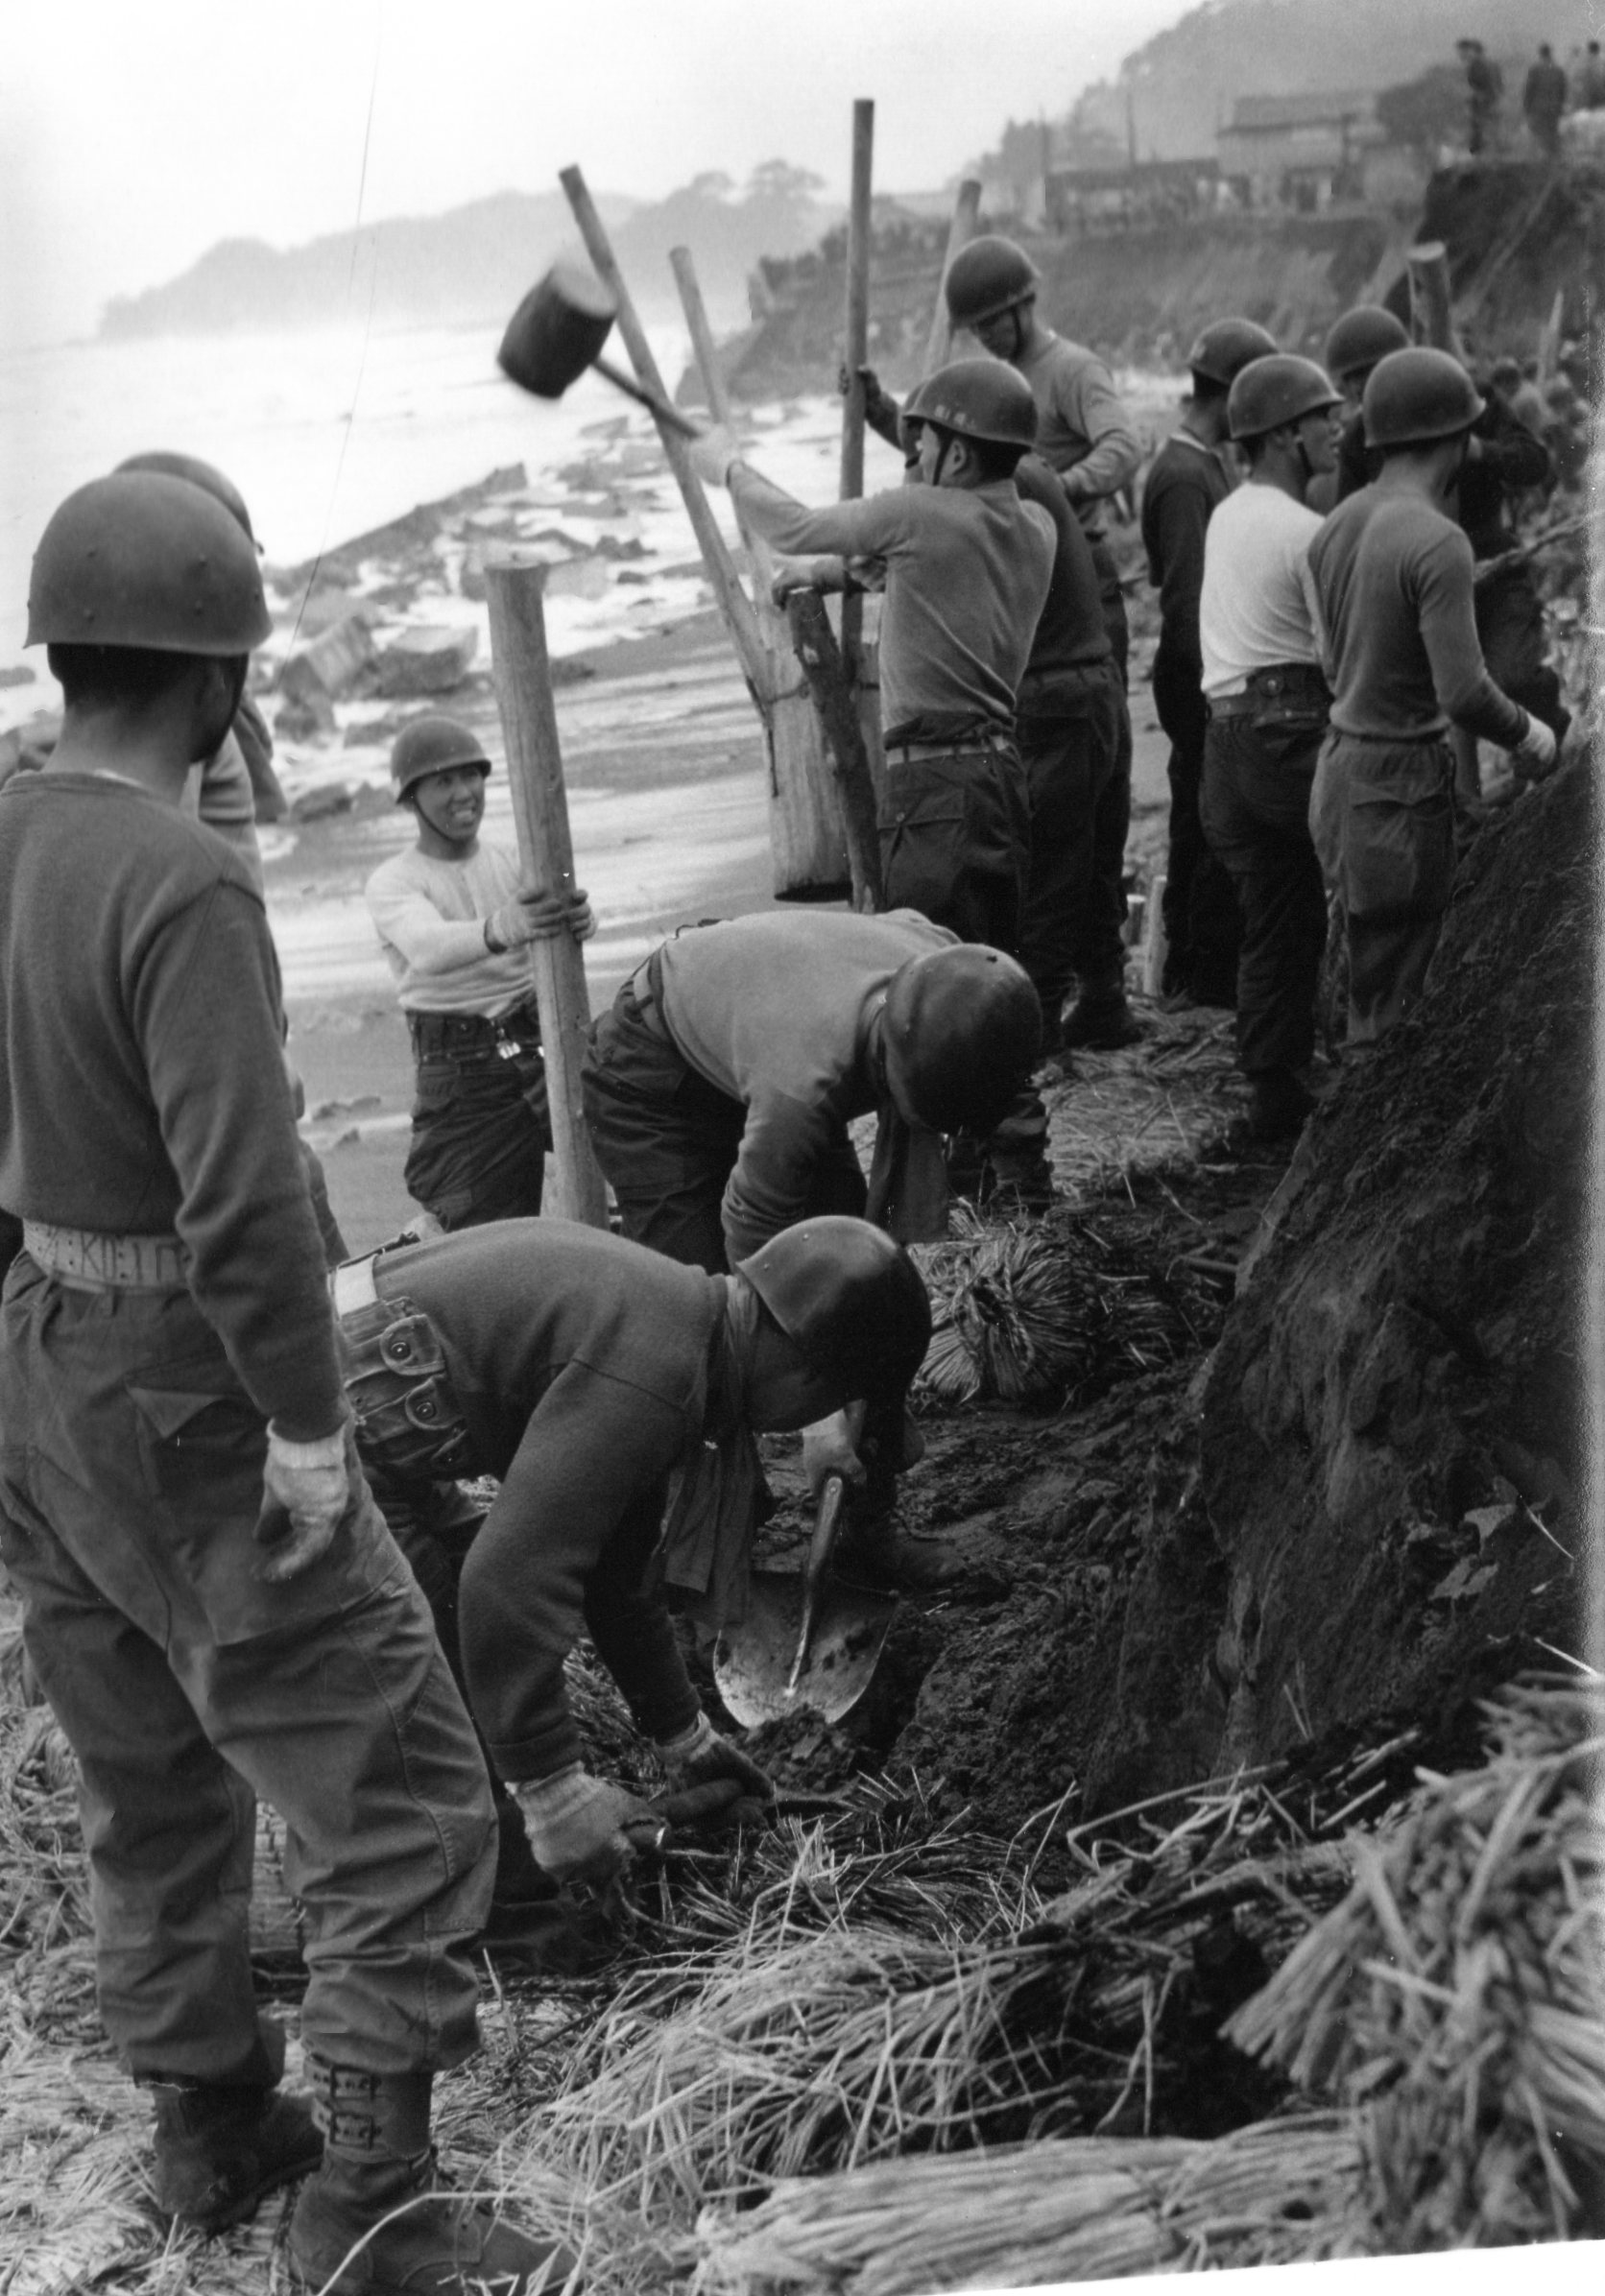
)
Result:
{"points": [[1534, 754], [700, 1755], [583, 1829], [537, 916], [306, 1489], [711, 455]]}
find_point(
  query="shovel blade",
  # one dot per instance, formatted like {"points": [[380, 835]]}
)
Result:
{"points": [[753, 1662]]}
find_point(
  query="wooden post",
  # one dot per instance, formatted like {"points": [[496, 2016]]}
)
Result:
{"points": [[733, 601], [967, 211], [515, 581], [806, 811], [858, 350], [1430, 319]]}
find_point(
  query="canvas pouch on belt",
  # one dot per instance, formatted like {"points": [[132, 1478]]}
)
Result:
{"points": [[408, 1418]]}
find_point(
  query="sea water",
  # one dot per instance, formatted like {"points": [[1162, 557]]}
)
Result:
{"points": [[326, 434]]}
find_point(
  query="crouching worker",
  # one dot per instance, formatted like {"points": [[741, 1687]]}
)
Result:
{"points": [[210, 1600], [615, 1393], [719, 1088]]}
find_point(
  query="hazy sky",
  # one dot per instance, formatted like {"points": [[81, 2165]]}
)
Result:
{"points": [[133, 137]]}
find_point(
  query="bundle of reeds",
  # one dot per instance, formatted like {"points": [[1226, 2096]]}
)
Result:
{"points": [[1091, 2207], [1032, 1312], [1457, 1990]]}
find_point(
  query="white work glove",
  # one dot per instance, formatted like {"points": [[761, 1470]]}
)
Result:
{"points": [[1534, 754], [306, 1489], [537, 916], [711, 455], [582, 1829], [700, 1754], [828, 1450]]}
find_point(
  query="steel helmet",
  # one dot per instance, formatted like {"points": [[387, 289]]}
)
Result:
{"points": [[848, 1298], [1417, 396], [978, 399], [199, 474], [143, 559], [960, 1029], [1225, 347], [431, 744], [1362, 337], [987, 277], [1268, 393]]}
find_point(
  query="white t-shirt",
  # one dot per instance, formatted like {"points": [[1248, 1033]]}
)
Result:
{"points": [[1258, 603], [430, 918]]}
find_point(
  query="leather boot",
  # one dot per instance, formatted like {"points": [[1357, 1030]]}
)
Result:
{"points": [[1100, 1019], [374, 2221], [221, 2147]]}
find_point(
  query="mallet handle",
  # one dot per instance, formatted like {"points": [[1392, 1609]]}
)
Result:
{"points": [[644, 397]]}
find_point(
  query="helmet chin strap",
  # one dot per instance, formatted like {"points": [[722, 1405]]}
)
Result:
{"points": [[944, 447]]}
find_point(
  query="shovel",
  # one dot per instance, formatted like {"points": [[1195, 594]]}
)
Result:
{"points": [[558, 331], [806, 1641]]}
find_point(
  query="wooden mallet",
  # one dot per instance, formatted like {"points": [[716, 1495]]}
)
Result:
{"points": [[558, 331]]}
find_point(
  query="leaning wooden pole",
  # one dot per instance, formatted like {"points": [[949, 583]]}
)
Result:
{"points": [[857, 343], [967, 214], [793, 635], [515, 583], [733, 601]]}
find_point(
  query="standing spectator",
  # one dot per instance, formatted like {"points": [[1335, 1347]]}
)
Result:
{"points": [[1542, 101], [1189, 482], [1588, 92], [1484, 87], [456, 920]]}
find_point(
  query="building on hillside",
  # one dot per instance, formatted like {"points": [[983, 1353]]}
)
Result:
{"points": [[1302, 152], [1124, 198]]}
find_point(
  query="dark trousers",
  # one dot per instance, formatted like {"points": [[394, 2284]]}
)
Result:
{"points": [[1203, 929], [955, 841], [1255, 806], [1099, 949], [1383, 817], [480, 1136], [1070, 759], [667, 1142], [130, 1484]]}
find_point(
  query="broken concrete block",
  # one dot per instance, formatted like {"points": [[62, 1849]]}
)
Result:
{"points": [[21, 675], [578, 578], [304, 717], [426, 662], [326, 608], [28, 746], [332, 664], [321, 804]]}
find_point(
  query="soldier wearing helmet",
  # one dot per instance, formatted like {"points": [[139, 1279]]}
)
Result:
{"points": [[236, 787], [1268, 702], [720, 1088], [614, 1397], [1187, 482], [1084, 434], [456, 920], [969, 565], [209, 1595], [1393, 576]]}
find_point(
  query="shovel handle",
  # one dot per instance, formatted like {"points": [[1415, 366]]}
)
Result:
{"points": [[652, 400], [826, 1524]]}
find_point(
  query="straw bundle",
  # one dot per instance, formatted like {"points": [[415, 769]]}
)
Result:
{"points": [[1036, 1311], [1457, 1989], [1085, 2208]]}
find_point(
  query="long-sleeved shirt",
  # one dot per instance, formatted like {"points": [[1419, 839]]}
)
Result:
{"points": [[142, 1081], [1509, 458], [430, 919], [1184, 487], [967, 574], [777, 1010], [1394, 581], [581, 1362], [1258, 607], [1082, 429], [1070, 633]]}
